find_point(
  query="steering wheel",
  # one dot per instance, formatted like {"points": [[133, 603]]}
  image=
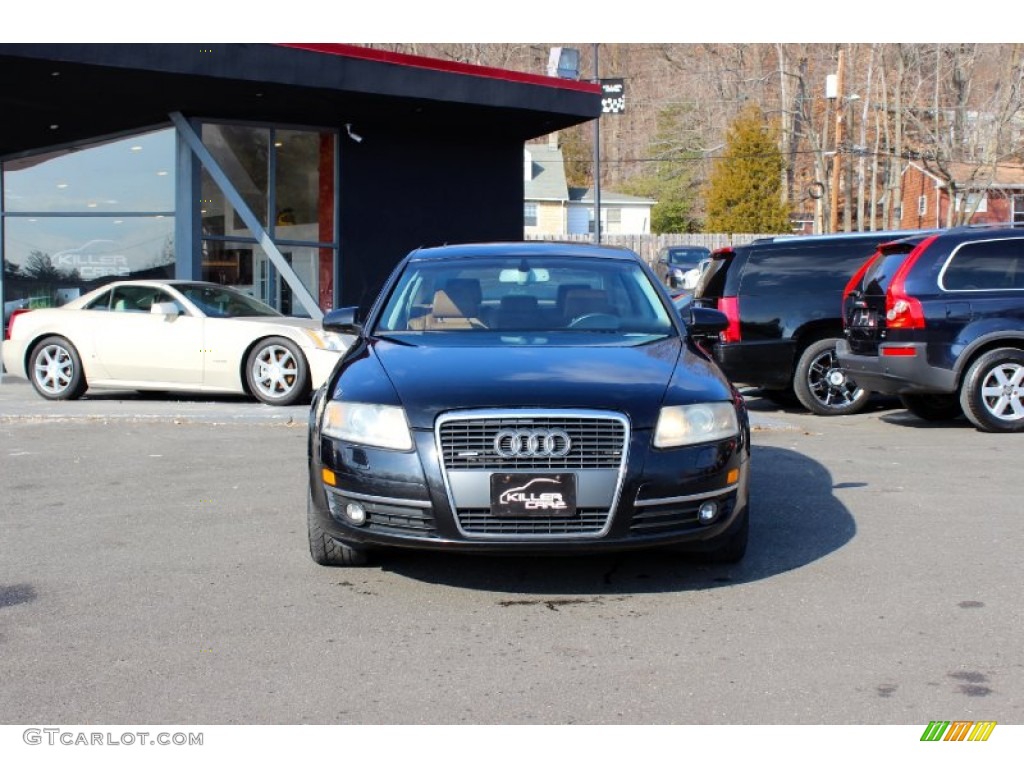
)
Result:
{"points": [[596, 321]]}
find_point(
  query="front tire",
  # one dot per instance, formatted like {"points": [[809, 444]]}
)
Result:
{"points": [[325, 549], [992, 394], [824, 388], [276, 372], [933, 407], [55, 369]]}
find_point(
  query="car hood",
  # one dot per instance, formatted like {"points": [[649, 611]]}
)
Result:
{"points": [[632, 380]]}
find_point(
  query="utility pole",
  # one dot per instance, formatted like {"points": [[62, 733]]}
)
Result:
{"points": [[837, 158], [597, 161]]}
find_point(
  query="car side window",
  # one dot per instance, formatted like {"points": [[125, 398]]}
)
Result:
{"points": [[803, 269], [101, 303], [988, 265], [137, 298]]}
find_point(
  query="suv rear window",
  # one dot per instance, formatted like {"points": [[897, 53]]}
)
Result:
{"points": [[882, 270], [985, 265], [711, 283], [802, 269]]}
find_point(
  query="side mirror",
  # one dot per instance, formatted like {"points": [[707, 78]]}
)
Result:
{"points": [[706, 323], [343, 320], [167, 308]]}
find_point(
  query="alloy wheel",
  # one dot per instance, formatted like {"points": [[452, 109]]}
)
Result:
{"points": [[54, 369], [275, 371], [1002, 391]]}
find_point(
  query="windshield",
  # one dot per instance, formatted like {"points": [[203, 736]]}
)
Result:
{"points": [[219, 301], [531, 300], [688, 257]]}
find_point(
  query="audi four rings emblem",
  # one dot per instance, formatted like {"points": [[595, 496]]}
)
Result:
{"points": [[532, 443]]}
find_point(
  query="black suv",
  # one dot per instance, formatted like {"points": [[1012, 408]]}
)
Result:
{"points": [[939, 320], [783, 298]]}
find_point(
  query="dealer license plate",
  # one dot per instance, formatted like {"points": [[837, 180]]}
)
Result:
{"points": [[864, 318], [548, 495]]}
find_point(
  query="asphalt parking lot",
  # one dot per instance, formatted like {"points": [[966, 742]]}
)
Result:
{"points": [[153, 569]]}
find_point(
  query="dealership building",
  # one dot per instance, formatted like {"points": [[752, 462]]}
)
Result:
{"points": [[300, 173]]}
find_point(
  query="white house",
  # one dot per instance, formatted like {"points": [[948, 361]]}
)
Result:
{"points": [[552, 207]]}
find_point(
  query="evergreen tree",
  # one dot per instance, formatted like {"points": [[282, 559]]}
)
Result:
{"points": [[745, 189], [671, 179]]}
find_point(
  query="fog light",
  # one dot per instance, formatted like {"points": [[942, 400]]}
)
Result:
{"points": [[708, 512], [355, 513]]}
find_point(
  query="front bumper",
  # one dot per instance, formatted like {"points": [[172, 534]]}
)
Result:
{"points": [[409, 504], [321, 364], [897, 369]]}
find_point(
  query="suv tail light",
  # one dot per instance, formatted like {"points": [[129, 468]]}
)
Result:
{"points": [[902, 310], [10, 322], [730, 307]]}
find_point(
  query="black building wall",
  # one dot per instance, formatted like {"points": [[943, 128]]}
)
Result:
{"points": [[401, 192]]}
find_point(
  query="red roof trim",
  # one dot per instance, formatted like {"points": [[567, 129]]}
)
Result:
{"points": [[455, 67]]}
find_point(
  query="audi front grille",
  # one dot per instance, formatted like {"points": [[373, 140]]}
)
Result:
{"points": [[469, 443], [474, 444]]}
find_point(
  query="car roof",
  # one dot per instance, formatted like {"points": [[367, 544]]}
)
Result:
{"points": [[894, 234], [524, 248]]}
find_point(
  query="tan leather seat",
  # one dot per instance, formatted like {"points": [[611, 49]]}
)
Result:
{"points": [[455, 307]]}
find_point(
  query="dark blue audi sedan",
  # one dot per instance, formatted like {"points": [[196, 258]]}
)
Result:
{"points": [[526, 397]]}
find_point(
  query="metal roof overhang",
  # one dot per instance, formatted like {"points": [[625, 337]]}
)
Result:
{"points": [[63, 94]]}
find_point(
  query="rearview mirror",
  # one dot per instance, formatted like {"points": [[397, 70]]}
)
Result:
{"points": [[343, 320], [706, 322]]}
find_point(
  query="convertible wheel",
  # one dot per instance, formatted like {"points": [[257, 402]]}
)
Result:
{"points": [[55, 369], [277, 373], [822, 387], [326, 550], [992, 394]]}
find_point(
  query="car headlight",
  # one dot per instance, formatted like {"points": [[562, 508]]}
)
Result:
{"points": [[326, 339], [691, 424], [383, 426]]}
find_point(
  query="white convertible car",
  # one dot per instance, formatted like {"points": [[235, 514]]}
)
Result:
{"points": [[170, 335]]}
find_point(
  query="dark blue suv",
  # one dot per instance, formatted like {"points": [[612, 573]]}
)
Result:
{"points": [[939, 320]]}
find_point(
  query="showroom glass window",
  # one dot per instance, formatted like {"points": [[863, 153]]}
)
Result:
{"points": [[286, 177], [77, 219]]}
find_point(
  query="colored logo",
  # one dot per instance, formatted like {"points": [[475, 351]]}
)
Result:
{"points": [[958, 730]]}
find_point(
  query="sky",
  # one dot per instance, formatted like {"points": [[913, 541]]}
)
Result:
{"points": [[523, 21]]}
